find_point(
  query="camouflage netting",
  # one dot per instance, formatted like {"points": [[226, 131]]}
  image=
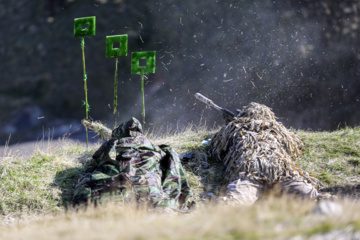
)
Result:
{"points": [[255, 145]]}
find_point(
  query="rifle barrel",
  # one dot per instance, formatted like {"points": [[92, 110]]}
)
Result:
{"points": [[227, 114], [207, 101]]}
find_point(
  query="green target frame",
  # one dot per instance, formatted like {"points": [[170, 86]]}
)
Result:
{"points": [[84, 27], [150, 62], [121, 50], [137, 69], [115, 53]]}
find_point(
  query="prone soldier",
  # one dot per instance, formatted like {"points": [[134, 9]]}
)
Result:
{"points": [[258, 154], [129, 168]]}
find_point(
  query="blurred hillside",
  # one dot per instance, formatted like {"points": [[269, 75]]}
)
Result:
{"points": [[300, 58]]}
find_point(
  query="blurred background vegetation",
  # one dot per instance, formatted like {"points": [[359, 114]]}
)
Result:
{"points": [[301, 58]]}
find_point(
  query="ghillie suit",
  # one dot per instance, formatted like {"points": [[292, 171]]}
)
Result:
{"points": [[258, 154], [129, 168]]}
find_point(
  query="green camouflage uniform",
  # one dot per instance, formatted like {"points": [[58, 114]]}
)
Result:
{"points": [[130, 168]]}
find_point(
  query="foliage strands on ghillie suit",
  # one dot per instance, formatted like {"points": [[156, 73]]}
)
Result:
{"points": [[102, 131], [130, 167], [257, 147]]}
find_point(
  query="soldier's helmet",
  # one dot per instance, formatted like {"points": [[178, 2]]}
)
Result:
{"points": [[131, 128]]}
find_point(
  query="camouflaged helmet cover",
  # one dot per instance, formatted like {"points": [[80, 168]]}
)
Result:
{"points": [[131, 128]]}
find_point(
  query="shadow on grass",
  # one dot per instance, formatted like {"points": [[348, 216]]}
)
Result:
{"points": [[66, 180], [209, 170], [346, 191]]}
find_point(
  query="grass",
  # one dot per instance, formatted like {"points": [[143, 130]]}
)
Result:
{"points": [[332, 157], [35, 193]]}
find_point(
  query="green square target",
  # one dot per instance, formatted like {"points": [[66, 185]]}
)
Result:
{"points": [[121, 50], [150, 62], [84, 26]]}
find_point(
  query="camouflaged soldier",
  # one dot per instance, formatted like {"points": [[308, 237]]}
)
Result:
{"points": [[130, 168], [258, 154]]}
